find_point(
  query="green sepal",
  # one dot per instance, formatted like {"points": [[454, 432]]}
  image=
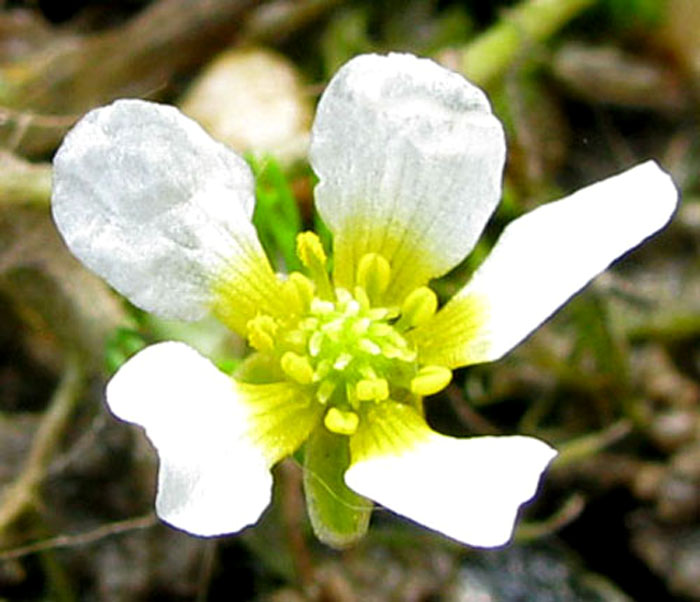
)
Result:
{"points": [[339, 516]]}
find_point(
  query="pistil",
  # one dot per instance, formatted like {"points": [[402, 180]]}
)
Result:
{"points": [[346, 349]]}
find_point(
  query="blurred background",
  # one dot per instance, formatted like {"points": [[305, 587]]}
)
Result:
{"points": [[585, 88]]}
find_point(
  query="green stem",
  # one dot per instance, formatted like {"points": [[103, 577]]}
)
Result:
{"points": [[581, 448], [22, 182], [489, 55], [567, 513]]}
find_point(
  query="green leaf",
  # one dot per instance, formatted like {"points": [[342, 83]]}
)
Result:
{"points": [[597, 335], [277, 217], [120, 346], [339, 516], [626, 13], [345, 36]]}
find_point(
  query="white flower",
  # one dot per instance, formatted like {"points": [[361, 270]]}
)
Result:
{"points": [[410, 160]]}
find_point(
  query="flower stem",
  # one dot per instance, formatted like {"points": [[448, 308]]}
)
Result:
{"points": [[23, 183], [489, 55]]}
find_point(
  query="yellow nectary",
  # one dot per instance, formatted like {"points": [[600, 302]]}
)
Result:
{"points": [[345, 349]]}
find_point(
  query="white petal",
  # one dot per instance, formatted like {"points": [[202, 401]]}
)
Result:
{"points": [[145, 198], [212, 478], [542, 259], [467, 489], [410, 161]]}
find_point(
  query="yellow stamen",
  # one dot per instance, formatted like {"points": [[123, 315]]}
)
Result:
{"points": [[341, 421], [374, 275], [297, 293], [430, 379], [375, 389], [262, 330], [297, 367], [325, 390], [311, 253], [418, 307]]}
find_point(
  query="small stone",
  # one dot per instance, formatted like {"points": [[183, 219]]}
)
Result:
{"points": [[679, 500], [253, 100], [674, 428]]}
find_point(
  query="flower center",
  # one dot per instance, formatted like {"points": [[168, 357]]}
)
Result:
{"points": [[347, 349]]}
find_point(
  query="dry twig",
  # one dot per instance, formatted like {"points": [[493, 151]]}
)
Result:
{"points": [[81, 539], [20, 495]]}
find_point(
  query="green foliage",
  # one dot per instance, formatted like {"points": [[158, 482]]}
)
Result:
{"points": [[600, 359], [120, 346], [395, 25], [632, 12], [277, 217], [422, 27], [345, 37], [596, 335], [621, 15]]}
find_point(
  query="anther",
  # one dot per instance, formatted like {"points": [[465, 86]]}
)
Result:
{"points": [[315, 343], [374, 275], [369, 346], [372, 390], [313, 257], [297, 293], [323, 369], [360, 327], [430, 380], [325, 390], [320, 307], [341, 422], [262, 332], [405, 354], [418, 307], [342, 361], [297, 367]]}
